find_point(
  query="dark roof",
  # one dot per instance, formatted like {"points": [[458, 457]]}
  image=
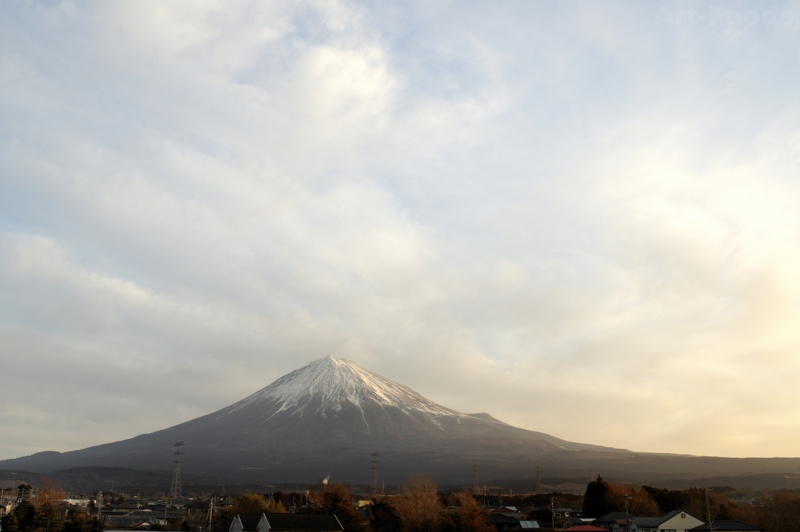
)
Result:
{"points": [[585, 528], [122, 506], [130, 520], [320, 523], [614, 516], [725, 526], [663, 519], [249, 521], [501, 519]]}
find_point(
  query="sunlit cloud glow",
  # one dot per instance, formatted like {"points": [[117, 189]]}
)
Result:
{"points": [[580, 218]]}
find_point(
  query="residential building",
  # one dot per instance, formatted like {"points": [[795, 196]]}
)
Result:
{"points": [[675, 521], [285, 523], [720, 525]]}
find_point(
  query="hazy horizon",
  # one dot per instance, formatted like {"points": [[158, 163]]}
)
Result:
{"points": [[580, 218]]}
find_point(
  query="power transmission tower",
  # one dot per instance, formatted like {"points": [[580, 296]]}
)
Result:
{"points": [[538, 478], [475, 485], [175, 492], [374, 486]]}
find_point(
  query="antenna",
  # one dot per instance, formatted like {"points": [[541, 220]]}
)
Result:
{"points": [[374, 487], [475, 485], [175, 492]]}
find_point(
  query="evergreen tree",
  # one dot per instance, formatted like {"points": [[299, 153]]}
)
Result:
{"points": [[9, 523], [385, 517], [25, 513], [595, 500]]}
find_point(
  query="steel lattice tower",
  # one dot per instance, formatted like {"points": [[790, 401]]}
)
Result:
{"points": [[374, 486], [538, 478], [175, 491]]}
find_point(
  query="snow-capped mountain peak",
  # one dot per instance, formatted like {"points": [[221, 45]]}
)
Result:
{"points": [[336, 381]]}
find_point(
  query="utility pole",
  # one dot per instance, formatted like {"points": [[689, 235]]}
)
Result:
{"points": [[175, 492], [210, 513], [708, 512], [552, 515], [475, 485], [627, 516]]}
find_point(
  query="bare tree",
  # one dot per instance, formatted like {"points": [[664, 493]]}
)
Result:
{"points": [[50, 492], [336, 499], [247, 503], [470, 517], [781, 512], [418, 505]]}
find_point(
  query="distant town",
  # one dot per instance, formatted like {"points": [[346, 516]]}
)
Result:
{"points": [[416, 505]]}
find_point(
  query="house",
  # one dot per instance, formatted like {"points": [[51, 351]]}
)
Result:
{"points": [[675, 521], [623, 522], [247, 523], [140, 520], [119, 509], [74, 509], [577, 521], [285, 523], [584, 528], [638, 523], [502, 522], [6, 505], [78, 502], [614, 519], [726, 526]]}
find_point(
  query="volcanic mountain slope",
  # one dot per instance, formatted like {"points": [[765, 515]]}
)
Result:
{"points": [[327, 417], [349, 406]]}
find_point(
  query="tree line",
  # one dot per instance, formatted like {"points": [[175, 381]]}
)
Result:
{"points": [[773, 511], [418, 507], [44, 513]]}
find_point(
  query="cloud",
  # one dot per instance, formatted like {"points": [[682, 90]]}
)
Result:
{"points": [[571, 213]]}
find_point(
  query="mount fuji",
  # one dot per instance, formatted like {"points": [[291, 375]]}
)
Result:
{"points": [[326, 418]]}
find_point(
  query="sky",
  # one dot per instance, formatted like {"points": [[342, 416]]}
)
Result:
{"points": [[580, 217]]}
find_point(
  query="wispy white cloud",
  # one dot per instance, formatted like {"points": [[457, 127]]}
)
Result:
{"points": [[584, 219]]}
